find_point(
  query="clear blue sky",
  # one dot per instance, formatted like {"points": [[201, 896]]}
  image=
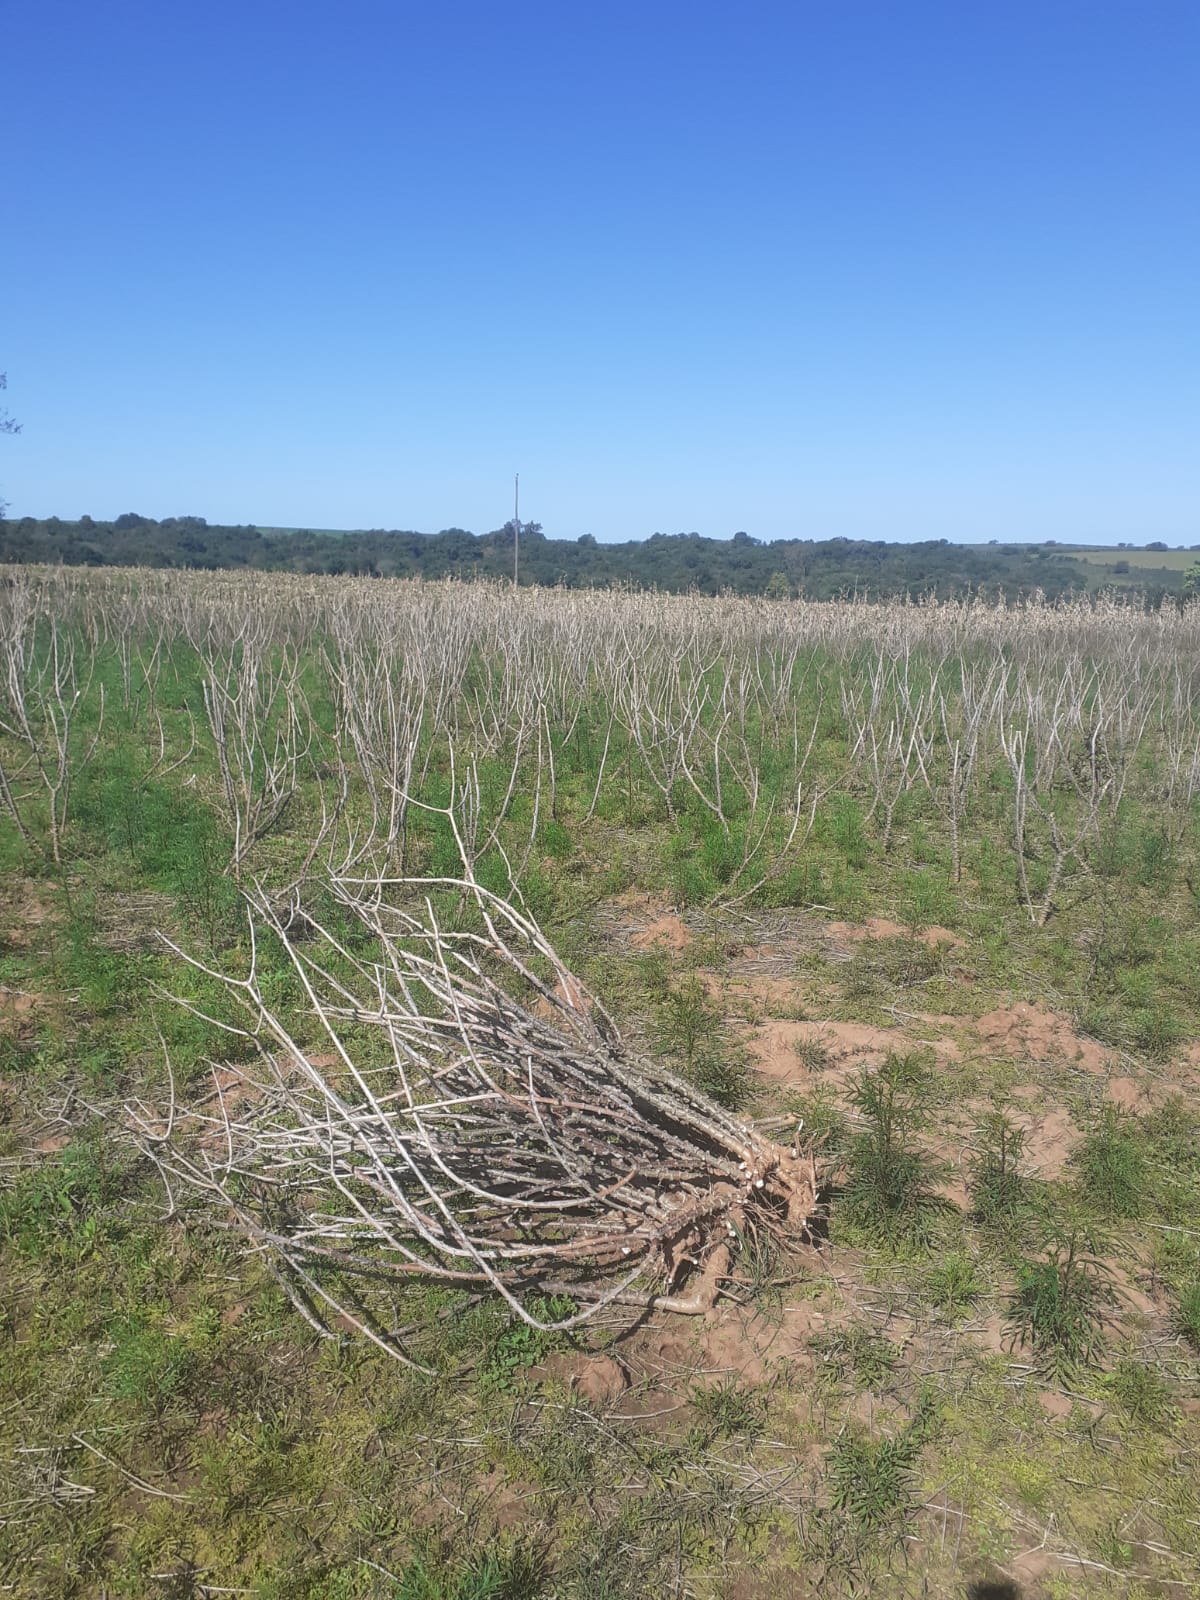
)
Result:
{"points": [[884, 270]]}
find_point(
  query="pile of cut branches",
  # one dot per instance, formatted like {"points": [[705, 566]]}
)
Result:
{"points": [[470, 1116]]}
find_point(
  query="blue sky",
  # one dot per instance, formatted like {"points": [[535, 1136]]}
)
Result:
{"points": [[881, 270]]}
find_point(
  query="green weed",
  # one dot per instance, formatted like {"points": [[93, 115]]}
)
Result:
{"points": [[1187, 1315], [1140, 1391], [63, 1202], [954, 1286], [998, 1191], [812, 1053], [857, 1352], [146, 1364], [728, 1410], [845, 827], [690, 1027], [888, 1192], [520, 1346], [1112, 1166], [1156, 1030], [516, 1573], [873, 1481], [1061, 1303]]}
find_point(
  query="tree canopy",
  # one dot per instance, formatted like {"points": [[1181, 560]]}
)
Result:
{"points": [[783, 568]]}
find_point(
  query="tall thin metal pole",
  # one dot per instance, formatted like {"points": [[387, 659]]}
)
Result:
{"points": [[516, 526]]}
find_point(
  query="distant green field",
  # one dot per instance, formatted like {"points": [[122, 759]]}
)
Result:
{"points": [[1107, 558]]}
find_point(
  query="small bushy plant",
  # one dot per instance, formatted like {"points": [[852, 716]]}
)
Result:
{"points": [[857, 1352], [1112, 1166], [873, 1481], [728, 1410], [689, 1027], [1061, 1303], [517, 1572], [888, 1193], [997, 1189]]}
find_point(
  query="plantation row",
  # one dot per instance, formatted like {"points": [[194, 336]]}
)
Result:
{"points": [[1060, 738]]}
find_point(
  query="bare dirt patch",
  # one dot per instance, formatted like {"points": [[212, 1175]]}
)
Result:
{"points": [[598, 1379], [1025, 1032], [773, 997], [1054, 1403], [25, 906], [779, 1049], [666, 930], [933, 937], [775, 1048], [1128, 1093], [732, 1344], [17, 1009], [53, 1143], [1050, 1141]]}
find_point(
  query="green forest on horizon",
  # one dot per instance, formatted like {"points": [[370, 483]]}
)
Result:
{"points": [[815, 568]]}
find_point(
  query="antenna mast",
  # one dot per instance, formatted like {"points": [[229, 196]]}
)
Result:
{"points": [[516, 526]]}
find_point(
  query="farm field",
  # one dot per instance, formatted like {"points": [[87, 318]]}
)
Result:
{"points": [[906, 894], [1107, 557], [1133, 570]]}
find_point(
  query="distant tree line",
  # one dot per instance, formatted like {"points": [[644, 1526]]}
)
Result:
{"points": [[818, 568]]}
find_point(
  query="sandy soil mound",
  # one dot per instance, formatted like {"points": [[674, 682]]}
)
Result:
{"points": [[1028, 1032], [883, 928]]}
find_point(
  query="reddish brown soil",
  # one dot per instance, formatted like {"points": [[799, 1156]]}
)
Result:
{"points": [[599, 1380], [666, 930], [669, 1358], [1054, 1404], [1026, 1032], [17, 1010], [1128, 1094], [1050, 1139], [773, 1047], [883, 928]]}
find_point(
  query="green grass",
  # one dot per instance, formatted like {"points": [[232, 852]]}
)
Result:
{"points": [[1105, 558]]}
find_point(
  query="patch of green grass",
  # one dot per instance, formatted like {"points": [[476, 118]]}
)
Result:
{"points": [[1112, 1168], [857, 1352], [518, 1572], [1156, 1029], [873, 1481], [1140, 1391], [146, 1363], [928, 898], [1187, 1315], [954, 1286], [823, 1123], [520, 1346], [728, 1410], [63, 1202]]}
